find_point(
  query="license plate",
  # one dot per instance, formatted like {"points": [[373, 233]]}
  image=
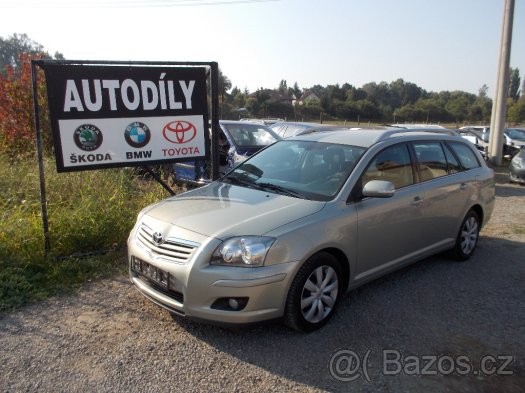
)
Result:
{"points": [[155, 274]]}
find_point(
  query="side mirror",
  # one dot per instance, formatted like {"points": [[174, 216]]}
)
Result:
{"points": [[378, 189]]}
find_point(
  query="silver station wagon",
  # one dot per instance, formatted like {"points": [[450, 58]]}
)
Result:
{"points": [[287, 232]]}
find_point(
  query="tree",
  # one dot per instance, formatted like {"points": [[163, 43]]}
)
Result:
{"points": [[516, 112], [514, 84], [283, 87], [483, 91], [224, 85], [16, 95], [296, 90], [429, 110], [257, 103], [16, 109], [13, 47], [238, 98], [481, 110], [459, 104]]}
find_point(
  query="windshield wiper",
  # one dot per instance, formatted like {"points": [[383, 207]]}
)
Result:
{"points": [[237, 181], [280, 190]]}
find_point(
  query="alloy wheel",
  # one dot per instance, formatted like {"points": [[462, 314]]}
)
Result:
{"points": [[469, 235]]}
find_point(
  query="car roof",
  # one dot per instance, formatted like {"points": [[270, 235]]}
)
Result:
{"points": [[240, 122], [371, 136], [418, 126], [299, 123], [475, 127]]}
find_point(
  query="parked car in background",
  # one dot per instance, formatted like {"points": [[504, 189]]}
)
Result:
{"points": [[483, 130], [267, 122], [477, 137], [418, 126], [238, 140], [287, 129], [517, 167], [515, 136], [288, 231]]}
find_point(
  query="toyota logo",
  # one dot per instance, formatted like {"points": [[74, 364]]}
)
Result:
{"points": [[158, 238], [179, 132]]}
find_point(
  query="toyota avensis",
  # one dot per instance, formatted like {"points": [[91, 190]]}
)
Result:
{"points": [[287, 232]]}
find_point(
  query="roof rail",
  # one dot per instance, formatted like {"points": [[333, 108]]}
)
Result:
{"points": [[389, 133]]}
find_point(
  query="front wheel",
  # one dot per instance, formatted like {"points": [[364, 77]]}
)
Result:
{"points": [[467, 238], [314, 293]]}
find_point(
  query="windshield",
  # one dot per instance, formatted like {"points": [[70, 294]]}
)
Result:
{"points": [[250, 134], [516, 133], [308, 170]]}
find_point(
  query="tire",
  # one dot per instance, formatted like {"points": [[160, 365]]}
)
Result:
{"points": [[314, 294], [467, 238]]}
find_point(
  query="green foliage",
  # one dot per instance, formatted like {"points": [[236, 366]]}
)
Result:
{"points": [[514, 84], [399, 101], [15, 47], [516, 111], [88, 211]]}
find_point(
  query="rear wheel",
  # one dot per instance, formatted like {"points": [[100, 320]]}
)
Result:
{"points": [[314, 293], [467, 238]]}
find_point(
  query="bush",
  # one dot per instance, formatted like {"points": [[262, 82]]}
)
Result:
{"points": [[88, 211], [17, 130]]}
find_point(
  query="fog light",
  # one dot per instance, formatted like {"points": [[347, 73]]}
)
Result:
{"points": [[234, 304], [230, 303]]}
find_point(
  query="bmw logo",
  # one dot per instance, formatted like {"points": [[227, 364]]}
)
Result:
{"points": [[137, 134], [88, 137]]}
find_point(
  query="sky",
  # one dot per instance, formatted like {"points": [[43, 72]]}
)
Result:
{"points": [[436, 44]]}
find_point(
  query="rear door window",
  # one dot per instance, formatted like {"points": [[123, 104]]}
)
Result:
{"points": [[392, 164], [431, 159]]}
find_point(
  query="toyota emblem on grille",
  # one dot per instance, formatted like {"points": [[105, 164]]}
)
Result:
{"points": [[158, 238]]}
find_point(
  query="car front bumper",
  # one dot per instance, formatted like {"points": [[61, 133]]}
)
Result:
{"points": [[517, 175], [198, 290]]}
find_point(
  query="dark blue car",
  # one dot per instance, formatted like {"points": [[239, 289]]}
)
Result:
{"points": [[238, 140]]}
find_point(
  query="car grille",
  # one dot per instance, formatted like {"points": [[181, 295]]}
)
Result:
{"points": [[173, 250]]}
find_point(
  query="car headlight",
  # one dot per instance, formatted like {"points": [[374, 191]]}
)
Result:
{"points": [[245, 251]]}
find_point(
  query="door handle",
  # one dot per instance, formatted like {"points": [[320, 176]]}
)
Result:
{"points": [[463, 186]]}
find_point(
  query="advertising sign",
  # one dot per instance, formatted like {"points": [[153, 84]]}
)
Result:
{"points": [[113, 115]]}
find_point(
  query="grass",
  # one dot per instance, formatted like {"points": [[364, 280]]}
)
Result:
{"points": [[518, 229], [88, 211]]}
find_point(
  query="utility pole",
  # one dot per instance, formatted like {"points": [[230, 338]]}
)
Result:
{"points": [[497, 122]]}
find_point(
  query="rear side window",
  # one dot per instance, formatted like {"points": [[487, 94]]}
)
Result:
{"points": [[466, 156], [431, 159]]}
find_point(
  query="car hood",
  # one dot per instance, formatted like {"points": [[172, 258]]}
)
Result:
{"points": [[223, 210]]}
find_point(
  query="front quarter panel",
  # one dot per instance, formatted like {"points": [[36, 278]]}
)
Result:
{"points": [[334, 227]]}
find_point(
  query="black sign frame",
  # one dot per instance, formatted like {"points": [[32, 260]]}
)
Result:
{"points": [[61, 75]]}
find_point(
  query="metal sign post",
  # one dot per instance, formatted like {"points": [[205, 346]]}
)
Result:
{"points": [[40, 155]]}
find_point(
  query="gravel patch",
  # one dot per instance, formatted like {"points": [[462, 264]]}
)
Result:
{"points": [[108, 338]]}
